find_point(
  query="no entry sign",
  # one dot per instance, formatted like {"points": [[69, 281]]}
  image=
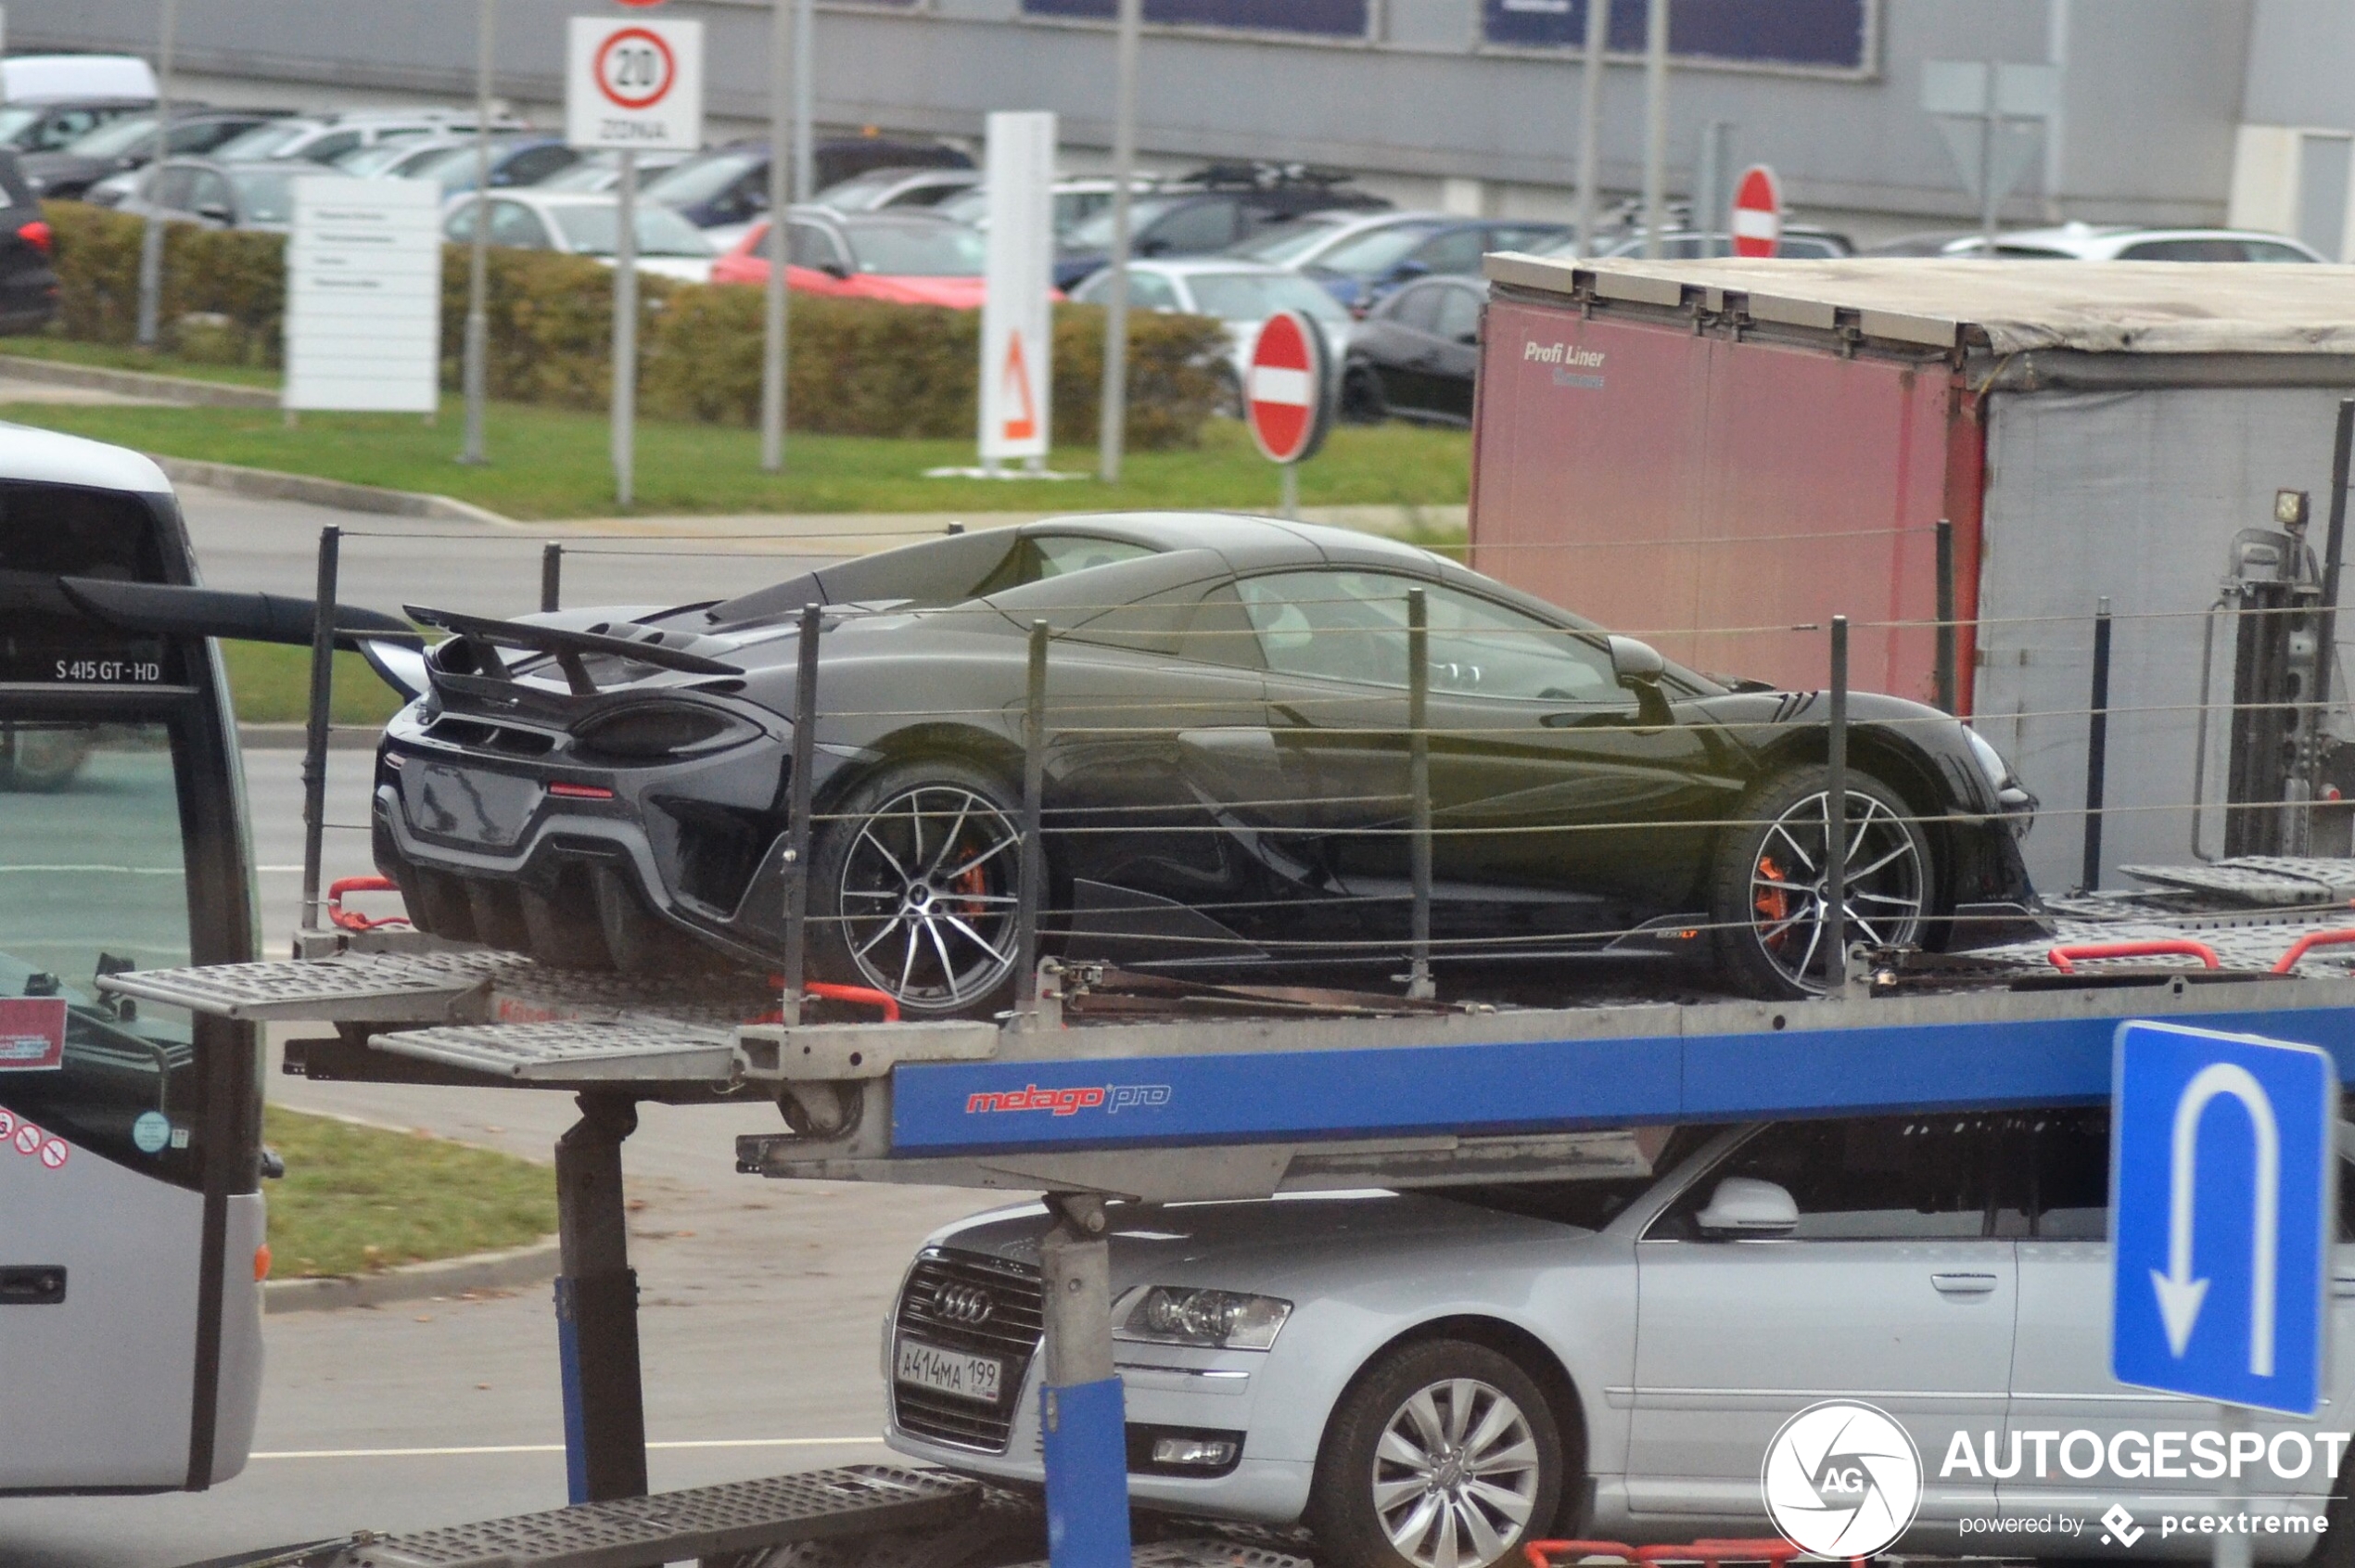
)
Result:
{"points": [[635, 84], [1285, 389], [1758, 212]]}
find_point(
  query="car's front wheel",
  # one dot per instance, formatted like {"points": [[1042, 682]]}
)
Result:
{"points": [[1769, 904], [1442, 1455], [914, 889]]}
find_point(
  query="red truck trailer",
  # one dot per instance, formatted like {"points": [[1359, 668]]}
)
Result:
{"points": [[1710, 454]]}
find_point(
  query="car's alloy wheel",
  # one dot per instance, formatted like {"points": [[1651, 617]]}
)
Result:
{"points": [[1773, 902], [1443, 1454], [927, 895], [1456, 1476]]}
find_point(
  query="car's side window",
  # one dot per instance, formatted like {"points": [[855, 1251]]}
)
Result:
{"points": [[1202, 225], [326, 149], [1459, 312], [1352, 625], [2052, 1175], [1151, 291], [1457, 251], [172, 188], [1057, 555], [1868, 1179], [1418, 307], [515, 225]]}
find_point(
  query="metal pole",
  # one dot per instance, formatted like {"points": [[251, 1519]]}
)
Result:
{"points": [[2096, 751], [475, 378], [1590, 122], [1713, 203], [1290, 496], [314, 750], [2056, 29], [773, 320], [2327, 629], [597, 1308], [625, 334], [797, 806], [1082, 1423], [1947, 630], [1419, 981], [1655, 127], [1111, 423], [1988, 198], [151, 235], [1031, 880], [804, 94], [1835, 930], [2231, 1550], [551, 577]]}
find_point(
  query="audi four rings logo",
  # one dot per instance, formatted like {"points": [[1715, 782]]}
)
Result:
{"points": [[969, 1304]]}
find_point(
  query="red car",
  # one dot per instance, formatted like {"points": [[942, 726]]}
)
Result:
{"points": [[909, 258]]}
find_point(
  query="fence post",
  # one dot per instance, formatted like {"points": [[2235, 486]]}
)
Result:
{"points": [[1835, 923], [552, 577], [1947, 682], [1419, 981], [1033, 856], [804, 754], [2096, 751], [315, 751]]}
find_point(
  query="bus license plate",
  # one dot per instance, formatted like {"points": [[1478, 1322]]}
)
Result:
{"points": [[948, 1372]]}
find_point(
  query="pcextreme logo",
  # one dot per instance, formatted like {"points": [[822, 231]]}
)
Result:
{"points": [[1841, 1479]]}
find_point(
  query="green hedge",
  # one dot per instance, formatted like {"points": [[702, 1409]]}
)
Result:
{"points": [[858, 366]]}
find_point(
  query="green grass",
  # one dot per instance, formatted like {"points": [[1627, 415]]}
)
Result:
{"points": [[553, 464], [109, 357], [270, 683], [357, 1199]]}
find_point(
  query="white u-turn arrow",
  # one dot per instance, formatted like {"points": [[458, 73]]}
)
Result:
{"points": [[2179, 1295]]}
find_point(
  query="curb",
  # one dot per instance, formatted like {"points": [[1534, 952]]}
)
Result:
{"points": [[451, 1276], [294, 738], [136, 383], [268, 484]]}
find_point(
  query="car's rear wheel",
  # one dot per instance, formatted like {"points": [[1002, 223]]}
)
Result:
{"points": [[1769, 900], [1362, 401], [1442, 1455], [914, 889]]}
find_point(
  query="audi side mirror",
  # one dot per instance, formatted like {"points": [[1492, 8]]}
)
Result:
{"points": [[1744, 1206]]}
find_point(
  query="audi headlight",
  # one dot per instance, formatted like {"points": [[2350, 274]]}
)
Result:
{"points": [[1219, 1320], [1991, 765]]}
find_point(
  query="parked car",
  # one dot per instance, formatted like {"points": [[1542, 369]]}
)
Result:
{"points": [[727, 187], [1077, 200], [602, 171], [879, 189], [1206, 213], [1361, 266], [1437, 1377], [28, 281], [1798, 241], [518, 159], [603, 788], [1299, 238], [2085, 242], [1241, 294], [51, 127], [325, 138], [129, 142], [911, 257], [582, 224], [1416, 354], [219, 193]]}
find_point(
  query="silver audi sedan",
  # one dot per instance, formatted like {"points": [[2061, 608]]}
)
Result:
{"points": [[1433, 1378]]}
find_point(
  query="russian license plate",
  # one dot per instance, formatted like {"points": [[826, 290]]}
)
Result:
{"points": [[950, 1372]]}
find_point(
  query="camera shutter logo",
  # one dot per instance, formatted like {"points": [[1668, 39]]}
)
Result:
{"points": [[1841, 1479]]}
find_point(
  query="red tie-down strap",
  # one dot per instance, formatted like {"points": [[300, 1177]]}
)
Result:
{"points": [[2066, 959], [352, 920]]}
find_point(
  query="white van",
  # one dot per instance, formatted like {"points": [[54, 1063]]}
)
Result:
{"points": [[41, 78]]}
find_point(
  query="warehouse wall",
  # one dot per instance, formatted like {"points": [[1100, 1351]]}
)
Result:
{"points": [[2154, 97]]}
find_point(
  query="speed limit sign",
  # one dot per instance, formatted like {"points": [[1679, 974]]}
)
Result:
{"points": [[636, 84]]}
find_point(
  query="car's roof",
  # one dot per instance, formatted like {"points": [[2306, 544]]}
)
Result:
{"points": [[1194, 266], [2104, 241], [47, 457]]}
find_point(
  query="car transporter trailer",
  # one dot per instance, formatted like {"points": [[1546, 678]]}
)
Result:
{"points": [[1104, 1085]]}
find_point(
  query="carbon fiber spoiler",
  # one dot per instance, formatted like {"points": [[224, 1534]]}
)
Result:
{"points": [[486, 636]]}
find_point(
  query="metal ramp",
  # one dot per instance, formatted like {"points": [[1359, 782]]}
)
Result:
{"points": [[702, 1522]]}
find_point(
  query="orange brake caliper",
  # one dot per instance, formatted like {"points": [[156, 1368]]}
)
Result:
{"points": [[1771, 902]]}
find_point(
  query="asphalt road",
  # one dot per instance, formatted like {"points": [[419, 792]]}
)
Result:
{"points": [[760, 1301]]}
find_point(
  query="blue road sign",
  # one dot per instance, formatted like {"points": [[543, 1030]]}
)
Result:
{"points": [[2221, 1176]]}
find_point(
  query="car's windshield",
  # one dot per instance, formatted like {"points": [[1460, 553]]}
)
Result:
{"points": [[1374, 253], [1095, 233], [362, 161], [265, 141], [1258, 296], [13, 121], [1285, 243], [592, 230], [266, 194], [699, 180], [916, 249], [133, 133]]}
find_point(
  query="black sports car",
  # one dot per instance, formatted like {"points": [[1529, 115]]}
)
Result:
{"points": [[1226, 774]]}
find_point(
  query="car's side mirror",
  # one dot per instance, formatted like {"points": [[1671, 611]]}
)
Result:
{"points": [[1407, 270], [1151, 246], [1745, 1207], [1638, 666], [834, 270], [214, 212]]}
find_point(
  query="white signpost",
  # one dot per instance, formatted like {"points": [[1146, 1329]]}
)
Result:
{"points": [[631, 86], [1017, 326], [363, 296]]}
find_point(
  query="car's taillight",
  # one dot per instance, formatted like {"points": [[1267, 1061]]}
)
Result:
{"points": [[652, 732], [35, 234]]}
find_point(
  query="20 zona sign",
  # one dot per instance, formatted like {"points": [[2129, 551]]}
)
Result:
{"points": [[635, 84]]}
